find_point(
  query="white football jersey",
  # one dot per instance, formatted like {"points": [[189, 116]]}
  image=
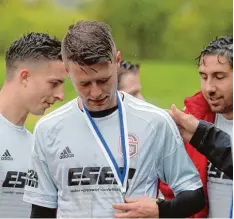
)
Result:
{"points": [[15, 149], [74, 175], [219, 185]]}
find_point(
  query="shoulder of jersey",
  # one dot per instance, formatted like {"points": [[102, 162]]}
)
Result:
{"points": [[55, 116], [154, 115], [147, 111]]}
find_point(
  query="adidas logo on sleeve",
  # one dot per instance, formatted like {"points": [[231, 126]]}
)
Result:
{"points": [[66, 153], [6, 156]]}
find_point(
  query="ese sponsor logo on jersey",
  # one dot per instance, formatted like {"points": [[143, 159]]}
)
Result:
{"points": [[94, 176], [213, 172], [16, 179], [32, 179]]}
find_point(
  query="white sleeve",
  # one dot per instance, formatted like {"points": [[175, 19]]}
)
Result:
{"points": [[40, 188], [177, 169]]}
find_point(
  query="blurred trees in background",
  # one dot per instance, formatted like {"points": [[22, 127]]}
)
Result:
{"points": [[169, 32], [174, 30], [21, 16], [164, 30]]}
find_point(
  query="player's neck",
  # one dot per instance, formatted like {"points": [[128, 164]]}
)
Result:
{"points": [[11, 107], [99, 114], [103, 113]]}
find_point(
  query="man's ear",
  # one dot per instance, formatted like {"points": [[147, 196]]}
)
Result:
{"points": [[118, 58], [23, 76], [66, 68], [67, 71]]}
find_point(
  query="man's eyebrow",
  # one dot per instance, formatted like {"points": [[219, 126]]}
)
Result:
{"points": [[57, 80], [104, 78], [99, 79], [219, 72], [216, 72]]}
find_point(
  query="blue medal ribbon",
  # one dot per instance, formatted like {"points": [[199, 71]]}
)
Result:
{"points": [[120, 175]]}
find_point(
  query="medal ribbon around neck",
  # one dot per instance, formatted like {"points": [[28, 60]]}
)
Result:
{"points": [[121, 178]]}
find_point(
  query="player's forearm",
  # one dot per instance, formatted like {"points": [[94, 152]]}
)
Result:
{"points": [[43, 212], [185, 204], [215, 145]]}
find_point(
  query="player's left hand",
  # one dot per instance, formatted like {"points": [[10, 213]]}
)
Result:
{"points": [[141, 207]]}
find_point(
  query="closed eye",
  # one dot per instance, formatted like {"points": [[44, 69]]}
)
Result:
{"points": [[103, 81], [203, 76], [54, 84], [219, 76], [84, 84]]}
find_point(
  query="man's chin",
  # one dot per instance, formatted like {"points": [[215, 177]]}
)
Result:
{"points": [[216, 109], [219, 109], [97, 108], [38, 112]]}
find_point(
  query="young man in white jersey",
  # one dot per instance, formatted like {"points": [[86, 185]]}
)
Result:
{"points": [[213, 104], [34, 77], [106, 146], [216, 71]]}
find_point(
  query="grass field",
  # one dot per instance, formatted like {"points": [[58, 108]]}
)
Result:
{"points": [[163, 84]]}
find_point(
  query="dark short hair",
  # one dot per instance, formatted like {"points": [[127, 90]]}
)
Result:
{"points": [[33, 46], [221, 46], [125, 68], [88, 43]]}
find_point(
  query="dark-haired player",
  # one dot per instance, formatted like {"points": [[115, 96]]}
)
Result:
{"points": [[213, 104], [129, 79], [34, 77]]}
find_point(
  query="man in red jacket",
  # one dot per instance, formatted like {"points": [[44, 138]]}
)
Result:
{"points": [[214, 104]]}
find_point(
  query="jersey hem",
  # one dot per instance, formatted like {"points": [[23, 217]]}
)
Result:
{"points": [[42, 203]]}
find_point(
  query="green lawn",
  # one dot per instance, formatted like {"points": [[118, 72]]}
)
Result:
{"points": [[167, 83], [163, 84]]}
